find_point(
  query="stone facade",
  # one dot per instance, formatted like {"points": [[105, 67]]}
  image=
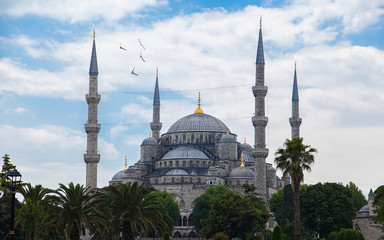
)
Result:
{"points": [[363, 221]]}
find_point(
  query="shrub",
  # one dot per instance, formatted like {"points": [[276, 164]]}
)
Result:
{"points": [[349, 234], [277, 233], [220, 236]]}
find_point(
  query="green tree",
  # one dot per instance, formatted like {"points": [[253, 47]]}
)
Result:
{"points": [[202, 204], [281, 204], [331, 203], [78, 210], [171, 208], [235, 215], [277, 233], [358, 199], [220, 236], [349, 234], [378, 202], [142, 212], [34, 215], [293, 159]]}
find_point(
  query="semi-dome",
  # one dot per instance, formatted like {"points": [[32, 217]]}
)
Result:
{"points": [[149, 141], [246, 147], [227, 138], [198, 123], [177, 171], [185, 153], [241, 172]]}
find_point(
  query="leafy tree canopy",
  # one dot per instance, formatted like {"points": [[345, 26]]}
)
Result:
{"points": [[378, 202], [170, 206], [358, 199], [350, 234], [331, 203]]}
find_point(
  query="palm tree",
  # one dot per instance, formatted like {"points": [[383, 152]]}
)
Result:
{"points": [[133, 208], [293, 159], [79, 210], [34, 214]]}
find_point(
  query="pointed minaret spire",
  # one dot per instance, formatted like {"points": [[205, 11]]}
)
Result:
{"points": [[92, 127], [198, 109], [260, 121], [295, 120], [156, 124], [260, 47], [125, 165]]}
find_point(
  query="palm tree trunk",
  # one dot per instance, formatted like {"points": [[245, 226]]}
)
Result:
{"points": [[296, 207]]}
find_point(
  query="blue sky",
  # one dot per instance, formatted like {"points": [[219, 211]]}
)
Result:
{"points": [[198, 46]]}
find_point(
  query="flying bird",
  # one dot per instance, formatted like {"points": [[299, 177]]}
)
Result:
{"points": [[141, 57], [141, 43], [122, 48], [134, 72]]}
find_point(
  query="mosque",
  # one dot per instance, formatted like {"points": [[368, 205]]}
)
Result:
{"points": [[197, 151]]}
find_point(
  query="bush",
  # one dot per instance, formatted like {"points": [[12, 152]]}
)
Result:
{"points": [[220, 236], [277, 233], [349, 234], [166, 236], [332, 236]]}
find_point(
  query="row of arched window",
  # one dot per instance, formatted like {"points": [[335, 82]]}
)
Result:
{"points": [[184, 163], [184, 221], [180, 179], [189, 138]]}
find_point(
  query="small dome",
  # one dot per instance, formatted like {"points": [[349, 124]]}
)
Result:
{"points": [[149, 141], [247, 156], [364, 208], [246, 147], [271, 169], [227, 138], [241, 172], [118, 177], [177, 171], [185, 153]]}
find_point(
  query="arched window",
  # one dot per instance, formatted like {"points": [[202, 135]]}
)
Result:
{"points": [[182, 179], [184, 138], [179, 223], [177, 163], [173, 180], [185, 221], [237, 182], [177, 234], [170, 164], [201, 138], [156, 181], [161, 165], [192, 138], [165, 164], [177, 138], [190, 223]]}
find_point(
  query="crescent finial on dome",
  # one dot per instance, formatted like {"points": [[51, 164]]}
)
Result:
{"points": [[198, 109], [125, 168], [242, 160]]}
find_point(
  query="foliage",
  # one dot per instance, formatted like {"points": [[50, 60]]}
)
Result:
{"points": [[166, 236], [220, 236], [277, 233], [171, 208], [78, 210], [142, 211], [350, 234], [202, 204], [358, 199], [293, 159], [281, 204], [233, 214], [7, 167], [378, 202], [332, 235], [329, 202]]}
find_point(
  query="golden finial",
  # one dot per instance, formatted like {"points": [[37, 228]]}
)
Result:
{"points": [[198, 109], [245, 140], [150, 134], [227, 132], [261, 21], [94, 33], [125, 168], [242, 160], [157, 71]]}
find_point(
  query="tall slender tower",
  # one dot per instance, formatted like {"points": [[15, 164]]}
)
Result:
{"points": [[260, 121], [295, 120], [156, 124], [92, 127]]}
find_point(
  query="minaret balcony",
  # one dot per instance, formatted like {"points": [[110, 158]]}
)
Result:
{"points": [[91, 158], [259, 90], [93, 98], [92, 127], [156, 126], [260, 121], [295, 122], [260, 152]]}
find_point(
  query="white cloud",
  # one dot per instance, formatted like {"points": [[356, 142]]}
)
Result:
{"points": [[20, 110], [75, 11]]}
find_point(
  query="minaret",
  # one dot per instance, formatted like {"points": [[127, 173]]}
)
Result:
{"points": [[156, 124], [260, 121], [92, 128], [295, 120]]}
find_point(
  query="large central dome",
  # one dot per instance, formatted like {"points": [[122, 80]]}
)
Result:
{"points": [[198, 123]]}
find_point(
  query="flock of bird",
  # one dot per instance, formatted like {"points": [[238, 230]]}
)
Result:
{"points": [[141, 56]]}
